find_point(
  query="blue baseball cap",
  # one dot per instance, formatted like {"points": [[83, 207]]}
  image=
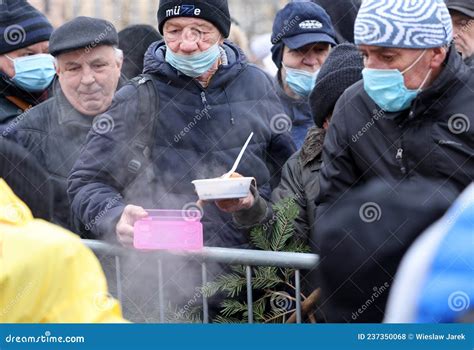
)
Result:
{"points": [[302, 23]]}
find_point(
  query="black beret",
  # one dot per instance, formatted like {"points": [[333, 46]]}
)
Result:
{"points": [[82, 32]]}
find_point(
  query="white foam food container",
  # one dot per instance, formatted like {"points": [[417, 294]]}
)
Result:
{"points": [[218, 188]]}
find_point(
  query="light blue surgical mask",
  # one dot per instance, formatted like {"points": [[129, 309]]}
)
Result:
{"points": [[300, 82], [33, 73], [193, 65], [386, 87]]}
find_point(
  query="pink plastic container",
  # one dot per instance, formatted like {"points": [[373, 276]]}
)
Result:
{"points": [[169, 230]]}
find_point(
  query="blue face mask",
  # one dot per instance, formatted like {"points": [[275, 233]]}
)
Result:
{"points": [[33, 73], [300, 81], [386, 87], [194, 65]]}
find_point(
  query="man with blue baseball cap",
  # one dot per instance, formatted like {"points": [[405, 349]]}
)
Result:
{"points": [[411, 116], [302, 38]]}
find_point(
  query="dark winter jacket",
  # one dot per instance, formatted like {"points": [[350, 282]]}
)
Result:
{"points": [[470, 61], [198, 134], [433, 139], [299, 180], [8, 109], [299, 112], [436, 268], [54, 132], [364, 238]]}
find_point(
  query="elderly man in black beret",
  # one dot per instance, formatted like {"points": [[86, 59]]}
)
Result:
{"points": [[88, 65]]}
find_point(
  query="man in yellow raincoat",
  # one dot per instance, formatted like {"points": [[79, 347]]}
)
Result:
{"points": [[46, 273]]}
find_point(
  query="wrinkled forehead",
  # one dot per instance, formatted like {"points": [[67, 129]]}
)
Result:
{"points": [[372, 49], [87, 55], [182, 22], [41, 46]]}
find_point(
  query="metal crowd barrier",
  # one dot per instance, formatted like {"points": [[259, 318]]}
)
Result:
{"points": [[229, 256]]}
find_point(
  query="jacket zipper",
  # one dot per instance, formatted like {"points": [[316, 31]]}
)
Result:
{"points": [[451, 143], [400, 150], [399, 158], [206, 105], [204, 100]]}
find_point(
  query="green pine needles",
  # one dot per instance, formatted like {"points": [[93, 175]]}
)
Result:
{"points": [[273, 288]]}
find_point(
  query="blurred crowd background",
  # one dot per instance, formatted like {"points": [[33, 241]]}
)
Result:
{"points": [[254, 16], [251, 29]]}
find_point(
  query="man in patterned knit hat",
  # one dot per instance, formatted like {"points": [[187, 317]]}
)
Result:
{"points": [[407, 124], [411, 116]]}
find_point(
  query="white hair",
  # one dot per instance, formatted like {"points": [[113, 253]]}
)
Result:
{"points": [[118, 54]]}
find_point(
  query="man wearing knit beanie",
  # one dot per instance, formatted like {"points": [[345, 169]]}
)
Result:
{"points": [[342, 69], [462, 13], [209, 101], [411, 116], [214, 11], [26, 70]]}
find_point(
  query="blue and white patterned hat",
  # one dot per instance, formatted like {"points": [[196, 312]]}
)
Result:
{"points": [[413, 24]]}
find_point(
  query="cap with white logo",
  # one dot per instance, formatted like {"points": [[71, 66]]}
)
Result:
{"points": [[302, 23], [214, 11]]}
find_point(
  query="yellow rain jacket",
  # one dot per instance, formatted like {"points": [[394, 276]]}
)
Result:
{"points": [[46, 273]]}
